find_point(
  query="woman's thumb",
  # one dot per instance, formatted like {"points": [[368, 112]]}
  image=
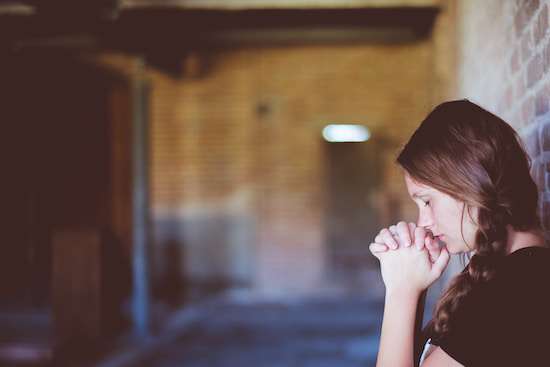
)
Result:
{"points": [[438, 267]]}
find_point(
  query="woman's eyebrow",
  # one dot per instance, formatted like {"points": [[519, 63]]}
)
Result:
{"points": [[418, 194]]}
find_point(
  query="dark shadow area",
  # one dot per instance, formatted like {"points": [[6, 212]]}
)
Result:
{"points": [[171, 287], [55, 150]]}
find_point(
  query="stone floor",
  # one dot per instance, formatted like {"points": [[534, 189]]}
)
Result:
{"points": [[26, 338], [322, 332]]}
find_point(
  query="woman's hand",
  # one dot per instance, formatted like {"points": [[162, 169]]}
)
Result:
{"points": [[410, 269], [403, 234], [407, 267]]}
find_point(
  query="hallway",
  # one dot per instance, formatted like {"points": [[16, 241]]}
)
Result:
{"points": [[322, 332], [160, 155]]}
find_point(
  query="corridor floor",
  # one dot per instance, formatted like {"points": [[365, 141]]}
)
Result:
{"points": [[336, 333]]}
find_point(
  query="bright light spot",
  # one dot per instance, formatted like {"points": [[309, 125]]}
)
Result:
{"points": [[340, 133]]}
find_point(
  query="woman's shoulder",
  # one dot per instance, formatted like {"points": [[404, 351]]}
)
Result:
{"points": [[530, 251], [504, 315], [525, 263], [520, 279]]}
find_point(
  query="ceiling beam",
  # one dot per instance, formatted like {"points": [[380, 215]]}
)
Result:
{"points": [[275, 4]]}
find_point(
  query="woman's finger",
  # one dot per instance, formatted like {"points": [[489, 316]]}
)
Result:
{"points": [[380, 239], [428, 241], [404, 234], [433, 248], [434, 254], [441, 262], [393, 229], [420, 237], [388, 239], [412, 230], [377, 247], [433, 244], [395, 234]]}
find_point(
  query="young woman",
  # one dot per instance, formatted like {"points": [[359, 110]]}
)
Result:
{"points": [[468, 173]]}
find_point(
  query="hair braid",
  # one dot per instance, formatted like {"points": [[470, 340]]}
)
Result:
{"points": [[491, 239]]}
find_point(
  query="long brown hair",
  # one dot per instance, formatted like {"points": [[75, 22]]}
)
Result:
{"points": [[477, 158]]}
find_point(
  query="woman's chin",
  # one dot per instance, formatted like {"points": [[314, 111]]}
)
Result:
{"points": [[450, 248], [454, 250]]}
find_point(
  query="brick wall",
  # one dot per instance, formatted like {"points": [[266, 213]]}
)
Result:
{"points": [[238, 160], [237, 172], [504, 65]]}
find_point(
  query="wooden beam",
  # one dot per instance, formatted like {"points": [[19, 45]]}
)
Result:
{"points": [[178, 30], [275, 4]]}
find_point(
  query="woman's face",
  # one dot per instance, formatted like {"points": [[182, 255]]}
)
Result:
{"points": [[442, 214]]}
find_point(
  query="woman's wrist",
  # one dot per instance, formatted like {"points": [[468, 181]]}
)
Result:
{"points": [[403, 293]]}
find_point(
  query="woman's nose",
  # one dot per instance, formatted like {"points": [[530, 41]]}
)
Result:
{"points": [[424, 220]]}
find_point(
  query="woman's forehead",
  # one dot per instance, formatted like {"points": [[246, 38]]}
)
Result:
{"points": [[415, 186], [416, 189]]}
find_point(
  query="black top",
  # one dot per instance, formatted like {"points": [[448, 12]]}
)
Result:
{"points": [[506, 321]]}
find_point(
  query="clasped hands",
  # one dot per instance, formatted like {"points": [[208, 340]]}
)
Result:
{"points": [[410, 258]]}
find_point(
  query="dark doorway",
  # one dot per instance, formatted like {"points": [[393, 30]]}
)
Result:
{"points": [[352, 176], [55, 151]]}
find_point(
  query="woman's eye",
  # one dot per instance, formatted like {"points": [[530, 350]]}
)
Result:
{"points": [[426, 203]]}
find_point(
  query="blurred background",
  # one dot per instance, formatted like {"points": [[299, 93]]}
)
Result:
{"points": [[196, 182]]}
